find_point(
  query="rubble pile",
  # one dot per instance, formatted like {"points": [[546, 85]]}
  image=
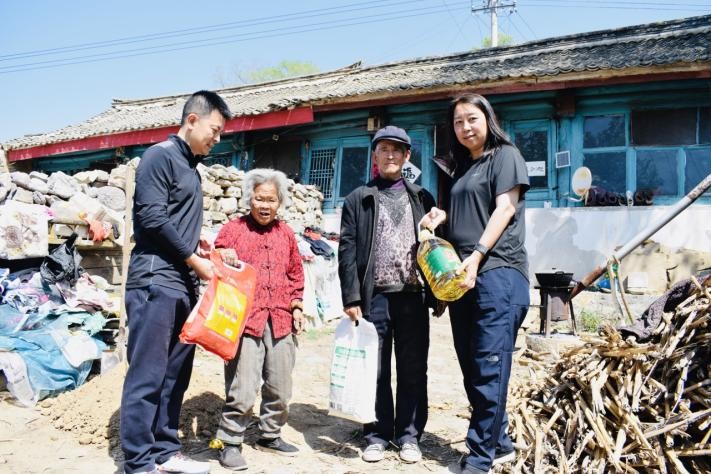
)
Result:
{"points": [[620, 405], [71, 203]]}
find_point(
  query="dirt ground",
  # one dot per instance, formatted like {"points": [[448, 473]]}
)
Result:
{"points": [[77, 431]]}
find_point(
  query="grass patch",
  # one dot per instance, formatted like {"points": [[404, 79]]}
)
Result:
{"points": [[590, 321]]}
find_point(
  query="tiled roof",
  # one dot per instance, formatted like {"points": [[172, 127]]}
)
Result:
{"points": [[656, 46]]}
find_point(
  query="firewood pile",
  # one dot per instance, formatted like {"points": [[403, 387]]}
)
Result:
{"points": [[617, 405]]}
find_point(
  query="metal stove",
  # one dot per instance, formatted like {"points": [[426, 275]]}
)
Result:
{"points": [[556, 305]]}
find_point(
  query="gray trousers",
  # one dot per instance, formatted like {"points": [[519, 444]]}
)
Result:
{"points": [[258, 359]]}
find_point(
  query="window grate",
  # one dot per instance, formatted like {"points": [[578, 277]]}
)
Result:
{"points": [[224, 159], [323, 163]]}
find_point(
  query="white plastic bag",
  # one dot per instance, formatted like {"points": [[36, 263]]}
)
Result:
{"points": [[354, 371]]}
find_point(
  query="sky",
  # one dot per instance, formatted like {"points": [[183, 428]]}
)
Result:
{"points": [[62, 62]]}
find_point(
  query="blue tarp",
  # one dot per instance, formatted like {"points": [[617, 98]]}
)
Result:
{"points": [[48, 370]]}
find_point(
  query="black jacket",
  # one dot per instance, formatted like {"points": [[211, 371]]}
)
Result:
{"points": [[358, 224], [167, 217]]}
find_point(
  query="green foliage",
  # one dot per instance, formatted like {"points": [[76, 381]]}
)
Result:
{"points": [[590, 321], [282, 70], [504, 40]]}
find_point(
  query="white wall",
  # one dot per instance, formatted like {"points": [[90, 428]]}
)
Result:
{"points": [[578, 239]]}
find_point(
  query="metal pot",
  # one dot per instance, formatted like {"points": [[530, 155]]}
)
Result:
{"points": [[558, 279]]}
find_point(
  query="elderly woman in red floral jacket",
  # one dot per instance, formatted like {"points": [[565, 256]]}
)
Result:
{"points": [[267, 349]]}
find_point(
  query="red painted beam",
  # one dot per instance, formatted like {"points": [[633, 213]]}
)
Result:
{"points": [[280, 118], [247, 123]]}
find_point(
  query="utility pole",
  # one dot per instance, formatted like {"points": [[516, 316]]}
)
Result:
{"points": [[491, 6]]}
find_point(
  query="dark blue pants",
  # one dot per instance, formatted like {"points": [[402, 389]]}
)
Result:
{"points": [[404, 319], [484, 326], [158, 375]]}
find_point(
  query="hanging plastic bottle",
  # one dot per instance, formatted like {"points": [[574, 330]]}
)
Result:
{"points": [[439, 262]]}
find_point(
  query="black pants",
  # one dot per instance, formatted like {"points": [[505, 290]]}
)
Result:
{"points": [[159, 368], [404, 319]]}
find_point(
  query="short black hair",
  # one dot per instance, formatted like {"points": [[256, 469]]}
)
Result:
{"points": [[203, 103]]}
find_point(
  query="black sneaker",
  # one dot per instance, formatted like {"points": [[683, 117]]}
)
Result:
{"points": [[277, 446], [231, 458]]}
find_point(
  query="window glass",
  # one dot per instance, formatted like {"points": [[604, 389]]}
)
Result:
{"points": [[663, 127], [321, 171], [608, 170], [705, 125], [698, 166], [533, 145], [354, 169], [604, 131], [656, 171]]}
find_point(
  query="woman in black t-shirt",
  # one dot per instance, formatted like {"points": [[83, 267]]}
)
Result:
{"points": [[487, 227]]}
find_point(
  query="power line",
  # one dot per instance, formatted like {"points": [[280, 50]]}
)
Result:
{"points": [[368, 5], [492, 7], [281, 31], [454, 19], [614, 5], [526, 23], [319, 26], [515, 27], [627, 3]]}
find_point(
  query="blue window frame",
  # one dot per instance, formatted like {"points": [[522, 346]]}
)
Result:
{"points": [[535, 140], [666, 151], [421, 153], [338, 166]]}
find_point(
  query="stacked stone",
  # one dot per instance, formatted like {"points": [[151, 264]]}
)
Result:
{"points": [[101, 192], [39, 188], [222, 199], [94, 195]]}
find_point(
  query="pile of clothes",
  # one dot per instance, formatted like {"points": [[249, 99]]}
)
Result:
{"points": [[322, 290], [55, 321]]}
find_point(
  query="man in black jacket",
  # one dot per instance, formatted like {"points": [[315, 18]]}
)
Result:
{"points": [[162, 288], [380, 282]]}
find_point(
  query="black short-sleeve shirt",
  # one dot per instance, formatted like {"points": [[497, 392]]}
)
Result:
{"points": [[473, 200]]}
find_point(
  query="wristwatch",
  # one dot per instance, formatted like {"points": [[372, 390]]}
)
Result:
{"points": [[481, 248]]}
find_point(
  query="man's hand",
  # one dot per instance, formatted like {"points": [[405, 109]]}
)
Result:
{"points": [[229, 256], [203, 267], [204, 248], [353, 312], [299, 321]]}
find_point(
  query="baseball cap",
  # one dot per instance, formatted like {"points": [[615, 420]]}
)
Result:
{"points": [[392, 133]]}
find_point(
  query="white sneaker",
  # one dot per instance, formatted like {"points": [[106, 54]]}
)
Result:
{"points": [[181, 463], [373, 453], [504, 458], [410, 452]]}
